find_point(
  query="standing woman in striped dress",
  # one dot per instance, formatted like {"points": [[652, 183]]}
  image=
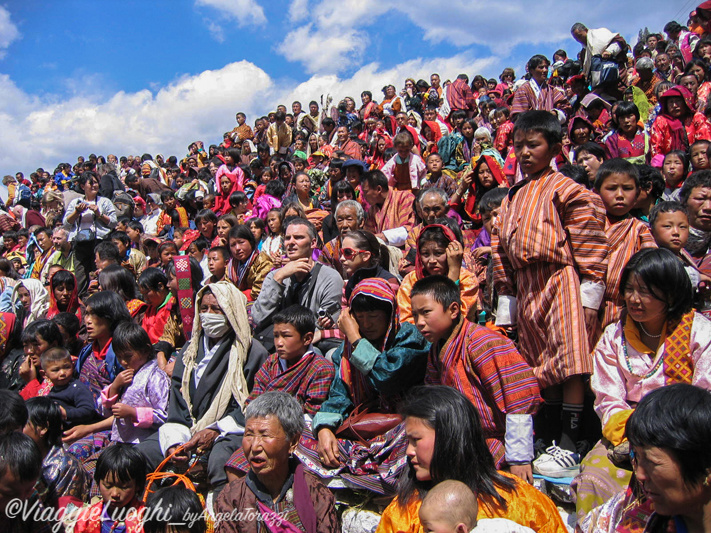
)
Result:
{"points": [[550, 257]]}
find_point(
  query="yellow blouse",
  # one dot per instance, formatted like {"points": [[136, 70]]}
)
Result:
{"points": [[525, 506]]}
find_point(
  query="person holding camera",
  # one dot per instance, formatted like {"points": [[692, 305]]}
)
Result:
{"points": [[89, 219]]}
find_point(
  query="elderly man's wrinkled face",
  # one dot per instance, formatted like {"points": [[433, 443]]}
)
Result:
{"points": [[433, 207], [662, 62]]}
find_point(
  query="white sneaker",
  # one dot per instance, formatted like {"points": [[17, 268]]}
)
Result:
{"points": [[557, 462]]}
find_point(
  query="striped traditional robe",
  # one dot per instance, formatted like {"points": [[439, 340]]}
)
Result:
{"points": [[397, 211], [547, 98], [488, 369], [626, 238], [549, 236]]}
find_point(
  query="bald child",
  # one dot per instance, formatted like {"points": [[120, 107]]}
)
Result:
{"points": [[452, 507]]}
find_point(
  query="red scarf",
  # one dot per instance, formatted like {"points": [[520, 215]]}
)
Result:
{"points": [[72, 306], [419, 265], [680, 140]]}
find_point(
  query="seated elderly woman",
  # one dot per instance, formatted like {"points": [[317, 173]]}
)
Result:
{"points": [[277, 491], [669, 435], [380, 360], [661, 340], [210, 383]]}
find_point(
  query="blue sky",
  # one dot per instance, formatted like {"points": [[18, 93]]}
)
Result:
{"points": [[132, 76]]}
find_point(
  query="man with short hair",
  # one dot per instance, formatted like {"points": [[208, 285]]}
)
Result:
{"points": [[433, 204], [391, 215], [349, 216], [242, 131], [695, 195], [65, 257], [347, 145], [435, 83], [599, 42], [663, 66], [300, 281]]}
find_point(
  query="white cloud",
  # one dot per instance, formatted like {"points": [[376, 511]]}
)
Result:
{"points": [[245, 12], [45, 131], [500, 26], [330, 50], [8, 31], [298, 10]]}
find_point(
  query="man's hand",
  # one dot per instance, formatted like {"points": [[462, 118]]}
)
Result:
{"points": [[202, 441], [299, 266], [328, 448]]}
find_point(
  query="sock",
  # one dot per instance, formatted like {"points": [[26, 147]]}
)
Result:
{"points": [[571, 426], [546, 423]]}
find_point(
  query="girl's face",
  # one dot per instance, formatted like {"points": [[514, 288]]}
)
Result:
{"points": [[166, 256], [641, 303], [434, 258], [274, 223], [96, 327], [241, 249], [365, 98], [226, 184], [154, 297], [486, 177], [467, 130], [673, 170], [229, 161], [256, 231], [381, 145], [178, 239], [581, 134], [412, 121], [132, 359], [179, 181], [34, 349], [62, 294], [420, 446], [115, 493], [207, 228], [25, 299], [352, 258], [223, 228], [628, 124]]}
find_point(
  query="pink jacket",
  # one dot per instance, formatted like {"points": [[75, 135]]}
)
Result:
{"points": [[418, 171]]}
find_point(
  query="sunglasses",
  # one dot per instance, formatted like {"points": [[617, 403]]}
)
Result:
{"points": [[350, 253]]}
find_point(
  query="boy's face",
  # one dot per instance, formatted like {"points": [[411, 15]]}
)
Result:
{"points": [[101, 264], [12, 487], [698, 158], [133, 234], [169, 204], [619, 193], [59, 372], [121, 246], [121, 227], [671, 230], [116, 493], [289, 344], [487, 219], [216, 264], [434, 164], [403, 150], [431, 318], [533, 152]]}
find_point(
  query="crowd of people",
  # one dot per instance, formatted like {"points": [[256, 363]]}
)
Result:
{"points": [[432, 298]]}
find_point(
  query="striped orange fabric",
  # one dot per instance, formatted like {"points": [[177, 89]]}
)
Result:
{"points": [[549, 236], [626, 238]]}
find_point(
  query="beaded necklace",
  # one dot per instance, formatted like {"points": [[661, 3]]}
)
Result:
{"points": [[629, 364]]}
